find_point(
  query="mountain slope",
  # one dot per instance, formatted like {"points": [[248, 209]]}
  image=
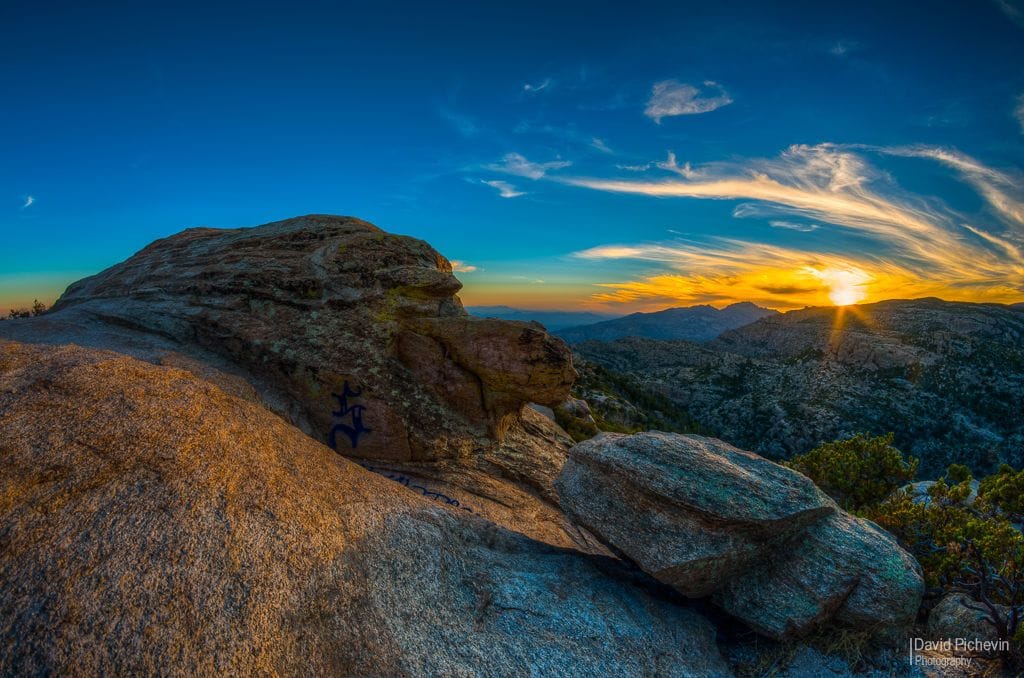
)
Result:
{"points": [[552, 320], [692, 323], [947, 378]]}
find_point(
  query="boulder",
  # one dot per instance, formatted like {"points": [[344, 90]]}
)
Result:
{"points": [[694, 512], [353, 334], [842, 570], [709, 519], [958, 616], [151, 522]]}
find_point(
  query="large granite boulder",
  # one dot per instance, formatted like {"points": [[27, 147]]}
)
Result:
{"points": [[767, 545], [693, 512], [151, 523], [353, 334], [356, 337]]}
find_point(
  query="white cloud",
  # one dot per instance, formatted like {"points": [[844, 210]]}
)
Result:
{"points": [[505, 189], [793, 226], [671, 165], [514, 163], [1018, 112], [636, 168], [600, 145], [29, 201], [462, 267], [539, 87], [671, 97]]}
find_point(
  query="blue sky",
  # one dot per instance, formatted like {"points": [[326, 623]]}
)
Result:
{"points": [[567, 155]]}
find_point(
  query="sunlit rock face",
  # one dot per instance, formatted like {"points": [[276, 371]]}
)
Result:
{"points": [[352, 333], [152, 523]]}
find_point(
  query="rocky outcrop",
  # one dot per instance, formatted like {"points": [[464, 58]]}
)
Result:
{"points": [[707, 518], [353, 334], [152, 523]]}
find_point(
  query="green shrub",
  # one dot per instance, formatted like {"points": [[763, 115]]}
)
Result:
{"points": [[857, 472], [577, 428], [967, 547], [1005, 490], [958, 473]]}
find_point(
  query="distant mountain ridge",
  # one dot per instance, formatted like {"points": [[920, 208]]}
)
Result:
{"points": [[552, 320], [946, 377], [690, 323]]}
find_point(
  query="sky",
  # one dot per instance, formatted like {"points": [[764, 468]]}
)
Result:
{"points": [[564, 155]]}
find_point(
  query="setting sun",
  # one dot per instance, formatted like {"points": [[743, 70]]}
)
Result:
{"points": [[842, 295], [845, 286]]}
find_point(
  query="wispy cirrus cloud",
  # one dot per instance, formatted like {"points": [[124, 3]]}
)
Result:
{"points": [[462, 267], [517, 164], [1018, 112], [29, 201], [669, 164], [918, 246], [671, 98], [1003, 192], [793, 226], [505, 189], [539, 87]]}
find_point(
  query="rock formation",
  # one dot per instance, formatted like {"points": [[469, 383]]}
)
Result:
{"points": [[352, 334], [151, 523], [331, 314], [707, 518]]}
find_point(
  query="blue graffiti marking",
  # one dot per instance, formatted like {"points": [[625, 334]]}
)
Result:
{"points": [[354, 428], [407, 482]]}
